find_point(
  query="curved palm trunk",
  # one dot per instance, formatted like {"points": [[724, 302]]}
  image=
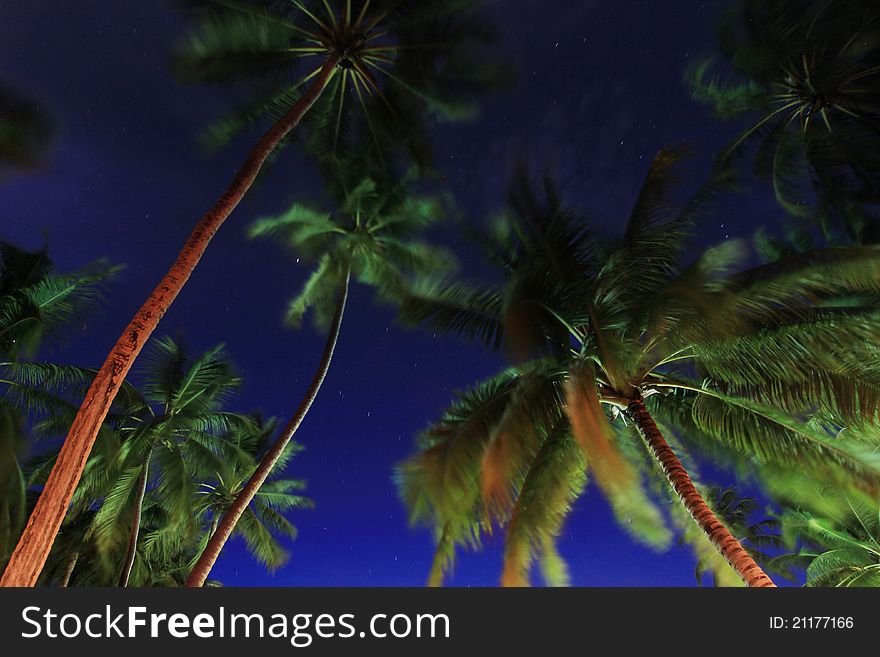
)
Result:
{"points": [[68, 569], [36, 541], [721, 538], [131, 552], [224, 530]]}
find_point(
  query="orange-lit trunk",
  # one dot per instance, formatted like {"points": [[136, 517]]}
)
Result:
{"points": [[36, 541], [730, 548], [226, 526]]}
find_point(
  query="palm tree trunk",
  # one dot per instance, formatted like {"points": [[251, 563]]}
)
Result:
{"points": [[131, 552], [724, 541], [36, 541], [224, 530], [68, 569]]}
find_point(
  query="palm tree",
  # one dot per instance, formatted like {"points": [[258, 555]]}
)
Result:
{"points": [[263, 518], [810, 71], [369, 237], [179, 436], [412, 57], [733, 361]]}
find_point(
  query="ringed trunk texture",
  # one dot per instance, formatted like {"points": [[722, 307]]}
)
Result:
{"points": [[131, 552], [68, 569], [227, 524], [729, 547], [36, 541]]}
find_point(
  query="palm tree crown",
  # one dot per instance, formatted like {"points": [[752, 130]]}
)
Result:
{"points": [[635, 325], [374, 233], [399, 63], [810, 70]]}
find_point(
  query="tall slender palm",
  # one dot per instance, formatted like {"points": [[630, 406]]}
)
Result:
{"points": [[411, 57], [664, 341], [810, 71], [370, 236]]}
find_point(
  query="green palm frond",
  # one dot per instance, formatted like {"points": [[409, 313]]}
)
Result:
{"points": [[371, 236], [305, 229], [443, 482], [556, 479], [456, 307], [37, 303], [779, 291], [772, 437], [13, 487], [615, 475], [842, 549], [187, 386], [318, 292], [112, 522], [279, 495], [260, 541]]}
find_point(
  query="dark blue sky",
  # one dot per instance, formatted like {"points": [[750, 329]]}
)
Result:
{"points": [[600, 92]]}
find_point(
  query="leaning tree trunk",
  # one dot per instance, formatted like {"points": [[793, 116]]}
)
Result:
{"points": [[721, 538], [36, 541], [131, 552], [68, 569], [224, 530]]}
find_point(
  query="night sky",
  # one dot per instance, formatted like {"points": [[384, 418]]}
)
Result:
{"points": [[599, 92]]}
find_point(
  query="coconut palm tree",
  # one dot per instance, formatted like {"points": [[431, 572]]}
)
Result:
{"points": [[405, 58], [681, 348], [810, 71], [263, 518], [177, 438], [369, 237]]}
